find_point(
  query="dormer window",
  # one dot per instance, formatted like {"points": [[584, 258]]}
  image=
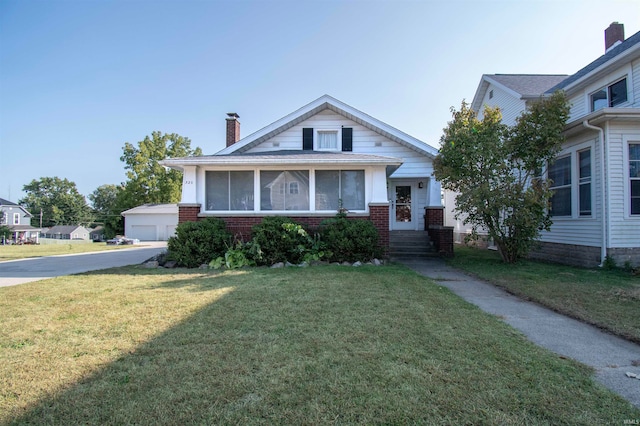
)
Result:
{"points": [[327, 140], [610, 96]]}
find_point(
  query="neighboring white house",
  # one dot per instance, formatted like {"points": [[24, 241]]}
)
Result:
{"points": [[308, 163], [596, 205], [151, 222], [512, 93]]}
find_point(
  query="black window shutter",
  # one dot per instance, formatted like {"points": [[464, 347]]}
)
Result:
{"points": [[347, 139], [307, 139]]}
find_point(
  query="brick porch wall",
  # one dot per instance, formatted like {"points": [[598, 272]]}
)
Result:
{"points": [[442, 236], [240, 226]]}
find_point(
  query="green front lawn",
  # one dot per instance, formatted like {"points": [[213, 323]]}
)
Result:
{"points": [[15, 252], [609, 299], [368, 345]]}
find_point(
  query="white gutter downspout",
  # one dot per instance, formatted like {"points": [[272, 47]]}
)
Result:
{"points": [[603, 248]]}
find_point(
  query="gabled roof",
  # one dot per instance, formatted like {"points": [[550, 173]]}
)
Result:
{"points": [[625, 51], [65, 229], [4, 202], [320, 104], [153, 209], [520, 86]]}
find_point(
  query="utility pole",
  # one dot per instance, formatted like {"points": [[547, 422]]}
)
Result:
{"points": [[40, 217]]}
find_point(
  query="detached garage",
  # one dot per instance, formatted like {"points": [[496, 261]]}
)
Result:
{"points": [[151, 222]]}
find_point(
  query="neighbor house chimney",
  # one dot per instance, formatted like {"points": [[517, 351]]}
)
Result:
{"points": [[612, 35], [233, 128]]}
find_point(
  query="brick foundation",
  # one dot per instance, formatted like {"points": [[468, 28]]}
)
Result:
{"points": [[568, 254], [240, 226], [442, 236]]}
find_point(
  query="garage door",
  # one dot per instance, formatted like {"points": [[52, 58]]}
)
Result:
{"points": [[143, 232], [171, 231]]}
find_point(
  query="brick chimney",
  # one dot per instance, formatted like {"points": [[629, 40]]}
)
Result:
{"points": [[612, 35], [233, 128]]}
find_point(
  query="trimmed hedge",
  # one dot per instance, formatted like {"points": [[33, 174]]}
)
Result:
{"points": [[350, 240], [197, 243]]}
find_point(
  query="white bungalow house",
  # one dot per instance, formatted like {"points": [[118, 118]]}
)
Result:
{"points": [[596, 205], [307, 165]]}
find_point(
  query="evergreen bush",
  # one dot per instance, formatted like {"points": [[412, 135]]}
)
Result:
{"points": [[197, 243], [349, 240]]}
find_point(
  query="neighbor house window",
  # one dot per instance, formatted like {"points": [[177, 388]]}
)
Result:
{"points": [[584, 162], [335, 185], [3, 218], [634, 176], [610, 96], [229, 191], [273, 195], [327, 140], [560, 175], [16, 218]]}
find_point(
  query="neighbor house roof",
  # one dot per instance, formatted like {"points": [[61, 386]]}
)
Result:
{"points": [[4, 202], [65, 229], [521, 86], [320, 104], [153, 209], [615, 56]]}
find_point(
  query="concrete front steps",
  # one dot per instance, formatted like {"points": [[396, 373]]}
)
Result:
{"points": [[410, 245]]}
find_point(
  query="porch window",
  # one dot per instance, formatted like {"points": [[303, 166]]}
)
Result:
{"points": [[584, 160], [273, 195], [335, 185], [634, 177], [229, 191], [560, 175]]}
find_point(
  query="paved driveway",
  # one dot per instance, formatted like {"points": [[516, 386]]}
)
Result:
{"points": [[26, 270]]}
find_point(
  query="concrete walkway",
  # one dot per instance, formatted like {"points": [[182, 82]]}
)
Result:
{"points": [[610, 356], [22, 271]]}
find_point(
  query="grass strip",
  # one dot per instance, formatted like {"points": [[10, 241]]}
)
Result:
{"points": [[609, 299], [369, 345], [15, 252]]}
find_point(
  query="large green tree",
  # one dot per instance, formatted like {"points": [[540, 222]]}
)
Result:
{"points": [[148, 181], [106, 201], [59, 201], [497, 171]]}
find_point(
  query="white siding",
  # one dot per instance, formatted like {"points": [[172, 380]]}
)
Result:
{"points": [[624, 229], [580, 230], [365, 141], [580, 100], [635, 81], [510, 105]]}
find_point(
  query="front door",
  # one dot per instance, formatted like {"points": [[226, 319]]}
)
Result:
{"points": [[402, 216]]}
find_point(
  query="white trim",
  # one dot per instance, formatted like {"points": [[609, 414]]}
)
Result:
{"points": [[628, 140], [328, 102]]}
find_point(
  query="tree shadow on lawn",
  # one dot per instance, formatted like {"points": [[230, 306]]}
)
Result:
{"points": [[248, 357]]}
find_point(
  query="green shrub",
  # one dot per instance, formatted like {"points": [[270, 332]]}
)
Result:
{"points": [[350, 240], [279, 239], [237, 256], [197, 243]]}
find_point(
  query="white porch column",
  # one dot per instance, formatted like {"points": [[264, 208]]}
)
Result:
{"points": [[434, 197], [189, 193]]}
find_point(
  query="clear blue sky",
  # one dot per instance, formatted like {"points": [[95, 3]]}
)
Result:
{"points": [[78, 79]]}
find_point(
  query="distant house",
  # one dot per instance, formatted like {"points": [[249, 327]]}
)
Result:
{"points": [[97, 234], [18, 220], [68, 232], [151, 222], [596, 177], [324, 156]]}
